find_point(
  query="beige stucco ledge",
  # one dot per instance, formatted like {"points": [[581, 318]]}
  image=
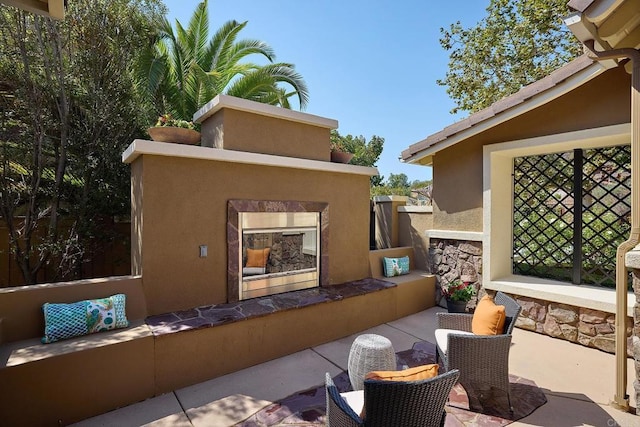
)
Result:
{"points": [[415, 209], [233, 103], [140, 146], [389, 199], [472, 236], [632, 259], [593, 297]]}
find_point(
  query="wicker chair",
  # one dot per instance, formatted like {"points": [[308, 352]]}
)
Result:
{"points": [[483, 360], [394, 403]]}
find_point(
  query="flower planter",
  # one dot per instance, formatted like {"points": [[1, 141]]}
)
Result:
{"points": [[456, 306], [174, 134], [341, 157]]}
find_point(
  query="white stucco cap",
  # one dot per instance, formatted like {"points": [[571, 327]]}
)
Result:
{"points": [[632, 259], [231, 102]]}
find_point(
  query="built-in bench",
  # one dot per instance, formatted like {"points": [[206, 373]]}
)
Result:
{"points": [[74, 379], [69, 380], [416, 290]]}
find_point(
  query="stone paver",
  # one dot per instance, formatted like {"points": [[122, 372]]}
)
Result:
{"points": [[578, 382]]}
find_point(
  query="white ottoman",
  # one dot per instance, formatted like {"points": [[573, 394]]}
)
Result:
{"points": [[368, 353]]}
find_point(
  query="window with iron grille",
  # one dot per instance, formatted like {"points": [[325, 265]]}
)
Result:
{"points": [[571, 211]]}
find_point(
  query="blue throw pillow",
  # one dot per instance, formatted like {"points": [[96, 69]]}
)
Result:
{"points": [[62, 321], [395, 266]]}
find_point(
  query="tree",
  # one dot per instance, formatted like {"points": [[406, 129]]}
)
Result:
{"points": [[365, 153], [398, 181], [67, 111], [517, 43], [397, 185], [185, 69]]}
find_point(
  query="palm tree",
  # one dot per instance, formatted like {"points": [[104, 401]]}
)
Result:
{"points": [[182, 71]]}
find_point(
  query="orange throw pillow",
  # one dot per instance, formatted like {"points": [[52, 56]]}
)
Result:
{"points": [[257, 257], [412, 374], [489, 318]]}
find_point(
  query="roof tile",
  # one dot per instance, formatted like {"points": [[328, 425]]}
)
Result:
{"points": [[527, 92]]}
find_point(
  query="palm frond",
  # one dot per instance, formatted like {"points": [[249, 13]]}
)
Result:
{"points": [[246, 47], [285, 73], [198, 33], [254, 86]]}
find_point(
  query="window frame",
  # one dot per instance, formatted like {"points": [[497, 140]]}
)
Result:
{"points": [[498, 217]]}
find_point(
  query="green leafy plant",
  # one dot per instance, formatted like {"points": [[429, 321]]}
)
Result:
{"points": [[168, 120], [458, 290], [337, 146]]}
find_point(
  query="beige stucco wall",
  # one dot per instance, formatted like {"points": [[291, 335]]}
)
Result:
{"points": [[21, 315], [386, 214], [244, 131], [457, 170], [261, 339], [185, 206], [81, 384], [412, 228]]}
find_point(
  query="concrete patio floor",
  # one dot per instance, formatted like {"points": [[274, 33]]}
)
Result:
{"points": [[578, 382]]}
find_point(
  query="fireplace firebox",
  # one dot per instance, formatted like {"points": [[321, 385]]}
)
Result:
{"points": [[279, 252], [275, 247]]}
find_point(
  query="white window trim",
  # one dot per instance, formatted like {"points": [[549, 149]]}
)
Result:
{"points": [[498, 213]]}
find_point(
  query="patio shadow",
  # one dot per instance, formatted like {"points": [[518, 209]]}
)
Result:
{"points": [[575, 409], [308, 407]]}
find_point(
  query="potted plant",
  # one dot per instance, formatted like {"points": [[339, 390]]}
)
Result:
{"points": [[458, 294], [169, 129], [339, 154]]}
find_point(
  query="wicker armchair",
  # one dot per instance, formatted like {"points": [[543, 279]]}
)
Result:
{"points": [[394, 403], [483, 360]]}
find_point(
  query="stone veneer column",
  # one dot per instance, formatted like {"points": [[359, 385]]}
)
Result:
{"points": [[633, 263], [452, 259]]}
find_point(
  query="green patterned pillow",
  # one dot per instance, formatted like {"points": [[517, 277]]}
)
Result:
{"points": [[395, 266], [62, 321]]}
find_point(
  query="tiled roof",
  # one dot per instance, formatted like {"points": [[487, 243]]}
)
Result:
{"points": [[412, 154], [580, 5]]}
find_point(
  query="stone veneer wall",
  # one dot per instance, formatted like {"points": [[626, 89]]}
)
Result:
{"points": [[632, 262], [452, 259], [591, 328]]}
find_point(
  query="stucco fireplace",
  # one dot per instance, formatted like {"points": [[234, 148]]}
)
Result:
{"points": [[253, 158], [275, 247]]}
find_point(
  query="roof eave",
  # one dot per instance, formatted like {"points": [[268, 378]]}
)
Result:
{"points": [[50, 8], [544, 91]]}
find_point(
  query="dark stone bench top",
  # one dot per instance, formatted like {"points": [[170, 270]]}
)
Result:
{"points": [[220, 314]]}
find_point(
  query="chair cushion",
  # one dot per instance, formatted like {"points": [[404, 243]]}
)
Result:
{"points": [[355, 399], [442, 334], [257, 258], [489, 318], [412, 374]]}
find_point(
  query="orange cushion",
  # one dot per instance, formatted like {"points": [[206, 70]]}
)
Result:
{"points": [[412, 374], [257, 257], [489, 318]]}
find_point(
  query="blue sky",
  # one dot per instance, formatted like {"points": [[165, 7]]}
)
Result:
{"points": [[371, 65]]}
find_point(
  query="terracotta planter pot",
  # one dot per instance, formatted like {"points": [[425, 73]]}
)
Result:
{"points": [[174, 134], [341, 157]]}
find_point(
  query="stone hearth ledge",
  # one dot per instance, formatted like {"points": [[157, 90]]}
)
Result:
{"points": [[221, 314]]}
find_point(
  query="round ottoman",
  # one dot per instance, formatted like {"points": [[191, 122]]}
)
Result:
{"points": [[368, 353]]}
